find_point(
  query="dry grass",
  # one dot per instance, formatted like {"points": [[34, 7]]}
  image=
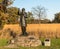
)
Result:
{"points": [[36, 27], [44, 30]]}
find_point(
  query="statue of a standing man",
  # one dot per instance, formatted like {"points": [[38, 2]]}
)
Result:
{"points": [[23, 23]]}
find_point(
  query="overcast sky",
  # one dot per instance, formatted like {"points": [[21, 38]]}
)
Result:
{"points": [[52, 6]]}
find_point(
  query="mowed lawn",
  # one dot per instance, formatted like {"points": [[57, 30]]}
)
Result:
{"points": [[55, 44]]}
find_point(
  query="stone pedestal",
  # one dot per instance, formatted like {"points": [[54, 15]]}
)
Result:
{"points": [[25, 41], [28, 41]]}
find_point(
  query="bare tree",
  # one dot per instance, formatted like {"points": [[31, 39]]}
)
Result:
{"points": [[39, 11]]}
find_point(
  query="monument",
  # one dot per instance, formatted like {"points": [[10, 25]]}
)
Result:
{"points": [[23, 22], [23, 40]]}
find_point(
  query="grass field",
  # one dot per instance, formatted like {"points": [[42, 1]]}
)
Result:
{"points": [[55, 44], [43, 30], [35, 27]]}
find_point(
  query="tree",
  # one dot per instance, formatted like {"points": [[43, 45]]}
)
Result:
{"points": [[45, 21], [13, 15], [3, 19], [3, 8], [4, 4], [1, 1], [57, 18], [7, 2], [30, 17], [39, 11]]}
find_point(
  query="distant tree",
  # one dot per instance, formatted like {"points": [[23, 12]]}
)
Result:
{"points": [[30, 17], [57, 18], [39, 11], [45, 21]]}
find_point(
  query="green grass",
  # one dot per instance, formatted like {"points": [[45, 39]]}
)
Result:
{"points": [[55, 44], [3, 42]]}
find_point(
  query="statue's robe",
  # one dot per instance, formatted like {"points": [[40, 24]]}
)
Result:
{"points": [[23, 17]]}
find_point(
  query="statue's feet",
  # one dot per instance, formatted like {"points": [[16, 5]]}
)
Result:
{"points": [[24, 34]]}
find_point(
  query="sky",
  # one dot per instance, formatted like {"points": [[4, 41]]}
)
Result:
{"points": [[51, 6]]}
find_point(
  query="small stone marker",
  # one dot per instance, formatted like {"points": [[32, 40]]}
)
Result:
{"points": [[47, 42]]}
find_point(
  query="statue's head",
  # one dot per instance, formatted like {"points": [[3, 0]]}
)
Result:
{"points": [[23, 9]]}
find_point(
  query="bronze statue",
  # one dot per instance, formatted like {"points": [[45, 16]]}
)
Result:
{"points": [[23, 23]]}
